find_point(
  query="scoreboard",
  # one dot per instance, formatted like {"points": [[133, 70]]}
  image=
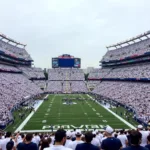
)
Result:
{"points": [[66, 62]]}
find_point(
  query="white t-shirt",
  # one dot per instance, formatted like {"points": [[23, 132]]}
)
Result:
{"points": [[123, 139], [36, 139], [99, 137], [95, 142], [67, 143], [57, 147], [144, 137], [74, 144], [19, 141], [53, 139], [3, 143]]}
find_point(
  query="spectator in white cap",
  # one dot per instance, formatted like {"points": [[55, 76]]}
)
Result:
{"points": [[68, 140], [144, 135], [95, 141], [110, 143], [77, 141], [74, 135]]}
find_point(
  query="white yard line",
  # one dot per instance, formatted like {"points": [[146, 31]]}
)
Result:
{"points": [[124, 121], [29, 117]]}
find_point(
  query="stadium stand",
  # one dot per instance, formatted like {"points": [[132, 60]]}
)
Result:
{"points": [[14, 51], [15, 87], [54, 87], [32, 72], [125, 83], [66, 80], [65, 74], [134, 71], [40, 83], [132, 50], [8, 68], [78, 86]]}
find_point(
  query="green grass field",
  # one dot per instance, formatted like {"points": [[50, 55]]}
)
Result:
{"points": [[81, 115]]}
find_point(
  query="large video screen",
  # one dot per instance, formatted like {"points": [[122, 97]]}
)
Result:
{"points": [[66, 62]]}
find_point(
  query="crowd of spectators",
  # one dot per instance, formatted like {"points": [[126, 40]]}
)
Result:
{"points": [[66, 74], [135, 95], [99, 73], [129, 71], [135, 49], [9, 68], [92, 84], [66, 80], [54, 87], [14, 51], [108, 139], [32, 72], [79, 86], [66, 86], [40, 83], [14, 88]]}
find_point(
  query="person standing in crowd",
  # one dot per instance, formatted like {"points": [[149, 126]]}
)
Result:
{"points": [[45, 144], [144, 135], [10, 145], [123, 138], [60, 139], [95, 140], [27, 144], [110, 143], [74, 135], [19, 138], [68, 141], [77, 141], [148, 143], [4, 141], [129, 137], [135, 141], [87, 145], [36, 139]]}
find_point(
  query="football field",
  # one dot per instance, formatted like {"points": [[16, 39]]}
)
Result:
{"points": [[84, 115]]}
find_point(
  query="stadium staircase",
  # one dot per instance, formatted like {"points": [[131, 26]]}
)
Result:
{"points": [[67, 87]]}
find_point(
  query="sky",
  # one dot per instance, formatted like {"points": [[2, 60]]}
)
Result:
{"points": [[82, 28]]}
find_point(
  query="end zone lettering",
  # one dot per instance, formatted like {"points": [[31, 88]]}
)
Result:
{"points": [[55, 127]]}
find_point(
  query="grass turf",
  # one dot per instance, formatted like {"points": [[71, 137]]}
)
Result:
{"points": [[121, 110], [87, 113], [13, 126]]}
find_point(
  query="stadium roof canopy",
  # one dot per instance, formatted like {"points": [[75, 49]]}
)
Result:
{"points": [[11, 40], [133, 40]]}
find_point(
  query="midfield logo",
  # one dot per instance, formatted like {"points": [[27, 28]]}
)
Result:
{"points": [[56, 127]]}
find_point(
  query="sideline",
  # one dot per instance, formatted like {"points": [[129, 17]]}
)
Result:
{"points": [[124, 121], [29, 116]]}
